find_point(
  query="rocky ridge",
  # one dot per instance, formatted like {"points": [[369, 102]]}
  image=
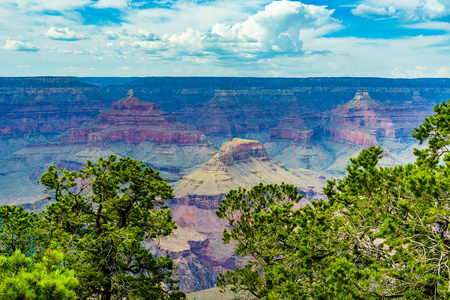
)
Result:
{"points": [[304, 124], [241, 163], [37, 110], [130, 127]]}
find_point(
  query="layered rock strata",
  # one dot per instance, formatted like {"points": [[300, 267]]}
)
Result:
{"points": [[143, 131], [246, 114], [199, 258], [239, 163], [365, 122], [130, 127], [36, 110]]}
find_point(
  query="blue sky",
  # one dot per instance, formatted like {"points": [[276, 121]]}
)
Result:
{"points": [[382, 38]]}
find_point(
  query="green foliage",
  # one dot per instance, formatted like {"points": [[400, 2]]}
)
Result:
{"points": [[291, 249], [99, 220], [384, 232], [20, 278], [436, 132], [19, 230]]}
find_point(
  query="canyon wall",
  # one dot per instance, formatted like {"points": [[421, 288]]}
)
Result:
{"points": [[206, 136]]}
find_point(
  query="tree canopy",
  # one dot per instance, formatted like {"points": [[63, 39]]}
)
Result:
{"points": [[98, 219], [21, 278], [382, 233]]}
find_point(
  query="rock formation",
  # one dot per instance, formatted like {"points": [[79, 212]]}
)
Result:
{"points": [[241, 113], [199, 258], [240, 163], [130, 127], [292, 128], [365, 122], [140, 129], [36, 110], [305, 124]]}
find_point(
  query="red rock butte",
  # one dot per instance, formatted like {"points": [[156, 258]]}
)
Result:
{"points": [[134, 121], [240, 150], [363, 120], [293, 128], [239, 163]]}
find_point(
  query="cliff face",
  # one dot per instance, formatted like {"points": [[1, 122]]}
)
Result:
{"points": [[304, 124], [241, 113], [143, 131], [133, 121], [292, 128], [319, 94], [199, 258], [130, 127], [366, 122], [36, 110], [239, 163]]}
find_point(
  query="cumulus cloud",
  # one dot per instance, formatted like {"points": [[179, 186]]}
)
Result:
{"points": [[20, 46], [64, 34], [150, 46], [109, 35], [279, 29], [143, 34], [279, 26], [407, 10], [367, 11], [431, 9]]}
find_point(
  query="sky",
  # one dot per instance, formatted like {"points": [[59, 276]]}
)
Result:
{"points": [[256, 38]]}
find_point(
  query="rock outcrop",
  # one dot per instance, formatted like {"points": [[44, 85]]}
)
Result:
{"points": [[36, 110], [130, 127], [305, 124], [141, 130], [239, 163], [248, 114], [292, 128], [133, 121], [365, 122], [199, 259]]}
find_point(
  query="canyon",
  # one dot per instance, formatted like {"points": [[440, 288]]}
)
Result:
{"points": [[206, 136]]}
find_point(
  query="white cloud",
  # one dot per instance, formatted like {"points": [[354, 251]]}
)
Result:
{"points": [[422, 71], [407, 10], [20, 46], [143, 34], [149, 46], [55, 5], [220, 38], [429, 25], [431, 9], [278, 29], [367, 11], [111, 4], [382, 57], [64, 34], [399, 4], [109, 35], [279, 26]]}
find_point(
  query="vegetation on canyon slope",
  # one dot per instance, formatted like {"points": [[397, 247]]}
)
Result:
{"points": [[98, 221], [383, 233]]}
